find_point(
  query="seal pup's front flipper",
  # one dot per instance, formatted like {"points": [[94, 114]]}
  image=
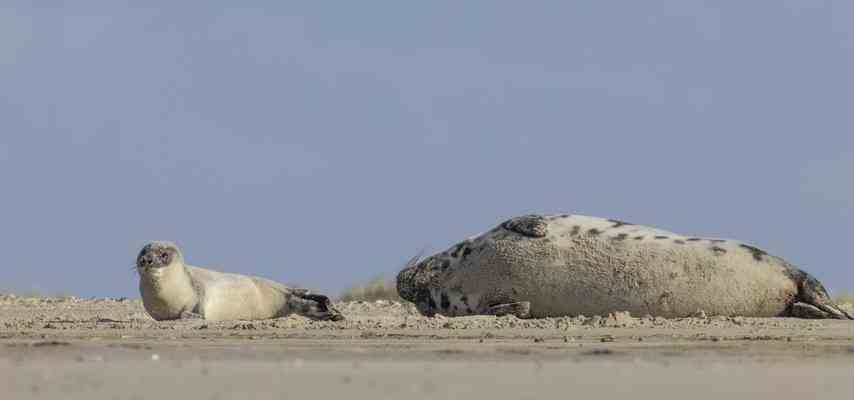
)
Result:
{"points": [[521, 309]]}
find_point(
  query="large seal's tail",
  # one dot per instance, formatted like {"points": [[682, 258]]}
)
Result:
{"points": [[813, 300]]}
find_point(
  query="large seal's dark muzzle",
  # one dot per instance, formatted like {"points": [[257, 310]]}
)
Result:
{"points": [[414, 282]]}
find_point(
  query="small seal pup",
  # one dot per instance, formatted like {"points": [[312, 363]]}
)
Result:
{"points": [[172, 289], [567, 265]]}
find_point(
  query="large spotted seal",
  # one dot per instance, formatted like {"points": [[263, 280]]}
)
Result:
{"points": [[172, 289], [541, 266]]}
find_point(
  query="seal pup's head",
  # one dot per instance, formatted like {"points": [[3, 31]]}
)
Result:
{"points": [[157, 256]]}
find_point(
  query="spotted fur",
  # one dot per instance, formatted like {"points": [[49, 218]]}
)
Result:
{"points": [[571, 264]]}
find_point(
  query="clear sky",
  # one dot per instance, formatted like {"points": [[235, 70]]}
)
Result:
{"points": [[323, 144]]}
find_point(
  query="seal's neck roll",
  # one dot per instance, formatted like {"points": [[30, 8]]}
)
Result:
{"points": [[164, 282], [167, 292]]}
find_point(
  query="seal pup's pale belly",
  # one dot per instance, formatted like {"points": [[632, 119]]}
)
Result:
{"points": [[226, 296]]}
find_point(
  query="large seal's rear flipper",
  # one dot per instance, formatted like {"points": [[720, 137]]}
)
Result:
{"points": [[804, 310], [813, 300]]}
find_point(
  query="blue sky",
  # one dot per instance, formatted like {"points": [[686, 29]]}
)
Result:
{"points": [[325, 144]]}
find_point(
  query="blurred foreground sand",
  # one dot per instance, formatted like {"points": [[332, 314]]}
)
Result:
{"points": [[110, 349]]}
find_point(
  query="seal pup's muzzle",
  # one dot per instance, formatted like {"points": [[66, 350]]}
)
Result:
{"points": [[156, 255]]}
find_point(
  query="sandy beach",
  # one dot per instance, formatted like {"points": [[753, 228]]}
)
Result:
{"points": [[110, 349]]}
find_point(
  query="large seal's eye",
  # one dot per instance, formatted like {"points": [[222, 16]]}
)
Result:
{"points": [[164, 257]]}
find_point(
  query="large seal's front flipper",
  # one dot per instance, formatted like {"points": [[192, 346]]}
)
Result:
{"points": [[814, 302], [532, 225], [520, 309], [191, 315]]}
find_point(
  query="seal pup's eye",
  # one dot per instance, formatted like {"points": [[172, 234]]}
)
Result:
{"points": [[164, 257]]}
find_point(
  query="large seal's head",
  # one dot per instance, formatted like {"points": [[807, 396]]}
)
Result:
{"points": [[414, 282], [155, 256]]}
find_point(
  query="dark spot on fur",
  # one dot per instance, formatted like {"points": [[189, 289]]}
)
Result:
{"points": [[445, 301], [455, 307], [756, 252], [465, 299], [638, 237], [594, 232], [565, 215], [677, 241], [466, 252], [718, 250], [617, 223], [661, 237], [621, 236], [718, 241], [575, 230], [694, 239], [468, 310], [445, 264]]}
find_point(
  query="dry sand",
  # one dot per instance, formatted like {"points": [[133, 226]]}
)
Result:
{"points": [[110, 349]]}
